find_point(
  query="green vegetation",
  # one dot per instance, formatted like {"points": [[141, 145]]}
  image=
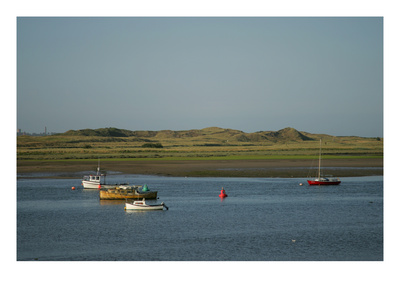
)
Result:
{"points": [[152, 145], [209, 143]]}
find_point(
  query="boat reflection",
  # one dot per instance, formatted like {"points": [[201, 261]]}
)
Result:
{"points": [[112, 202]]}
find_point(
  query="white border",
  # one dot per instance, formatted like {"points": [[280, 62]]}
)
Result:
{"points": [[213, 280]]}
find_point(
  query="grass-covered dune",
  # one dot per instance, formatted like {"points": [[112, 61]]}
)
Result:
{"points": [[207, 152], [208, 143]]}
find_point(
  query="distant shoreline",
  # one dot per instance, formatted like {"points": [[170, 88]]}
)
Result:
{"points": [[283, 168]]}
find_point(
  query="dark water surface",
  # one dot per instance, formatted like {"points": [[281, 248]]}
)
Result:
{"points": [[263, 219]]}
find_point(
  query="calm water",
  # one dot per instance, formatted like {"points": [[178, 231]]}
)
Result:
{"points": [[263, 219]]}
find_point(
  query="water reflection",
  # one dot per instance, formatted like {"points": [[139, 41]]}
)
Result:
{"points": [[112, 202]]}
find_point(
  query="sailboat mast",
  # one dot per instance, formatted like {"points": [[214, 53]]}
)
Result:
{"points": [[319, 161]]}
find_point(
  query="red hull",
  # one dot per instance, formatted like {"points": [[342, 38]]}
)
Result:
{"points": [[313, 182]]}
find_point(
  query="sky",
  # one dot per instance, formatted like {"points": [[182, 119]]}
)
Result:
{"points": [[315, 74]]}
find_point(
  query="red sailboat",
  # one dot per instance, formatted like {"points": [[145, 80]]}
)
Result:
{"points": [[322, 180]]}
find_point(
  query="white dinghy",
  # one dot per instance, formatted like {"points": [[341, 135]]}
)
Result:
{"points": [[144, 205]]}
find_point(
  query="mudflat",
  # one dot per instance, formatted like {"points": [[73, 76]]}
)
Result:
{"points": [[284, 168]]}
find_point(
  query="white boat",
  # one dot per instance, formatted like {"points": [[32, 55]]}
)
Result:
{"points": [[98, 181], [143, 205], [94, 181]]}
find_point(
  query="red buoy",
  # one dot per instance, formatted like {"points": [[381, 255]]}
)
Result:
{"points": [[73, 188], [223, 194]]}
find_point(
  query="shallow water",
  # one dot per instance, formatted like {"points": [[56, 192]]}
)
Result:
{"points": [[262, 219]]}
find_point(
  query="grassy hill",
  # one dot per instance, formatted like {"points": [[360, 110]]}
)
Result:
{"points": [[221, 134], [211, 142]]}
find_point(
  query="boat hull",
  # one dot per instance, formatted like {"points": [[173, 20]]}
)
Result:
{"points": [[98, 185], [90, 184], [327, 182], [133, 206], [114, 194]]}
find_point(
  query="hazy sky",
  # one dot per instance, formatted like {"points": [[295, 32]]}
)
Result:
{"points": [[320, 75]]}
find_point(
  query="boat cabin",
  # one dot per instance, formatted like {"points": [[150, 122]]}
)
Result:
{"points": [[93, 178]]}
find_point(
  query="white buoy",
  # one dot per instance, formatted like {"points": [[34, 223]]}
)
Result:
{"points": [[301, 184]]}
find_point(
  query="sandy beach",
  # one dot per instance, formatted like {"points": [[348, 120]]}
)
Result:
{"points": [[284, 168]]}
